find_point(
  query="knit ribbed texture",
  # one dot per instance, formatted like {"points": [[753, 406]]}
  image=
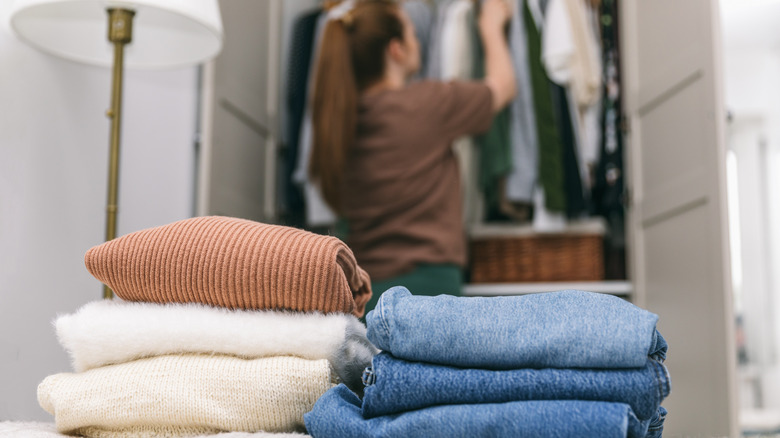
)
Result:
{"points": [[193, 394], [233, 263]]}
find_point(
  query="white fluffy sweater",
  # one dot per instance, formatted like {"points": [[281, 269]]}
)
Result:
{"points": [[113, 331], [183, 395]]}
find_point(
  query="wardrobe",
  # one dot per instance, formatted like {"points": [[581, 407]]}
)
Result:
{"points": [[674, 137]]}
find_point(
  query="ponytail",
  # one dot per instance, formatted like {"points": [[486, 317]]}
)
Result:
{"points": [[351, 59], [334, 112]]}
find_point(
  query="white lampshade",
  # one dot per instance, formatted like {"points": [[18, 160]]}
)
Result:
{"points": [[166, 33]]}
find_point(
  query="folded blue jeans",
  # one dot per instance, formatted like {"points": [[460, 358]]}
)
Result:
{"points": [[656, 427], [395, 385], [566, 329], [337, 414]]}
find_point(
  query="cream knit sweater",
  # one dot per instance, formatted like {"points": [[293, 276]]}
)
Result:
{"points": [[186, 395]]}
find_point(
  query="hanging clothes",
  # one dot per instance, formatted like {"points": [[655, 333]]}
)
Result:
{"points": [[576, 204], [543, 141], [525, 144], [609, 184], [494, 147], [457, 62], [433, 69], [298, 68], [570, 50], [590, 116], [536, 8], [544, 220], [551, 177], [571, 57], [457, 54], [422, 15], [495, 164]]}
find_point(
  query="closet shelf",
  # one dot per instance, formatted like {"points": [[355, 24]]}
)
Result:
{"points": [[594, 225], [498, 289]]}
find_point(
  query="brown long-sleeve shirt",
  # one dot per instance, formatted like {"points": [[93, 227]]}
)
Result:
{"points": [[402, 196]]}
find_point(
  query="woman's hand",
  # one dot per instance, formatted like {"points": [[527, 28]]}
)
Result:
{"points": [[499, 73]]}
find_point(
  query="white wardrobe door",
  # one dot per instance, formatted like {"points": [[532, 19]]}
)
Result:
{"points": [[239, 107], [674, 101]]}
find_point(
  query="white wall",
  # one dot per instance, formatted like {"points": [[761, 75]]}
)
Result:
{"points": [[53, 175], [753, 97]]}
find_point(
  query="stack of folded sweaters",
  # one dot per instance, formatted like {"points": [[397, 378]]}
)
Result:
{"points": [[558, 364], [228, 325]]}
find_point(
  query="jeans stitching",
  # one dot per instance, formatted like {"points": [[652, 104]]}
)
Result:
{"points": [[659, 381], [381, 309], [666, 378], [660, 389]]}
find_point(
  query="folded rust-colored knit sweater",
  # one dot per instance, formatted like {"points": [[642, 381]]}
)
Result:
{"points": [[233, 263]]}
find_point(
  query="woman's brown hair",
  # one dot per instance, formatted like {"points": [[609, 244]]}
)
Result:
{"points": [[352, 57]]}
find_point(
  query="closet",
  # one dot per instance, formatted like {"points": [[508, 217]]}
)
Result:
{"points": [[676, 221]]}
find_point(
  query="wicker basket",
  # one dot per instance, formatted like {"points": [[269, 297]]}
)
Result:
{"points": [[517, 254]]}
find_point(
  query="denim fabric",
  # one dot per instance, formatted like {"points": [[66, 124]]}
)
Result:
{"points": [[656, 427], [337, 414], [566, 329], [399, 386]]}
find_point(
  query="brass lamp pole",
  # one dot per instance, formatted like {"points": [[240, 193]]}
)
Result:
{"points": [[120, 32], [182, 33]]}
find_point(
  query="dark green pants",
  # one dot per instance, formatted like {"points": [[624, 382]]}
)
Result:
{"points": [[429, 279]]}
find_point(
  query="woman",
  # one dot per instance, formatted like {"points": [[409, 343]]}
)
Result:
{"points": [[382, 150]]}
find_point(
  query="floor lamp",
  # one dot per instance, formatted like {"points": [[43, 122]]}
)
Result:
{"points": [[156, 34]]}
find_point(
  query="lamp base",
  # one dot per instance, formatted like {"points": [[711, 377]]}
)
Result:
{"points": [[120, 32]]}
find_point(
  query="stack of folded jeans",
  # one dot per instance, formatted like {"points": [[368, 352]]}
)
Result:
{"points": [[229, 326], [559, 364]]}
